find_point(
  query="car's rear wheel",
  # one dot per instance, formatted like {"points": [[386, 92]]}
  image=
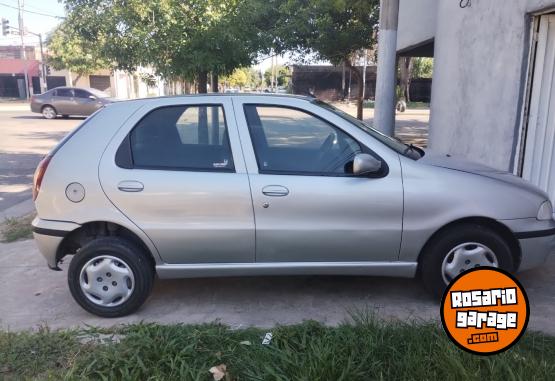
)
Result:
{"points": [[49, 112], [460, 248], [110, 277]]}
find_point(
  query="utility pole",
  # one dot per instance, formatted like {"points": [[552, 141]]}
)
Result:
{"points": [[343, 83], [384, 113], [43, 66], [20, 5], [365, 63]]}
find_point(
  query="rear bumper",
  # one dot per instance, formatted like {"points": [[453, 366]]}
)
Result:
{"points": [[49, 235], [536, 240], [36, 107]]}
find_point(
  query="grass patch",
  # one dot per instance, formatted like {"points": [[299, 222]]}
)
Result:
{"points": [[364, 350], [14, 229]]}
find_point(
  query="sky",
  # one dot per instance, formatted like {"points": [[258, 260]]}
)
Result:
{"points": [[35, 23]]}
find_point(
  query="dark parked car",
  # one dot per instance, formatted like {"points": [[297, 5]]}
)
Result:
{"points": [[67, 101]]}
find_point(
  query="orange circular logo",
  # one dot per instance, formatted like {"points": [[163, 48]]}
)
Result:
{"points": [[485, 311]]}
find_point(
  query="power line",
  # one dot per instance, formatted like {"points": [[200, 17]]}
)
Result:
{"points": [[36, 13]]}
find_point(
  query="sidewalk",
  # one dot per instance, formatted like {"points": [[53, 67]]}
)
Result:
{"points": [[15, 106], [32, 295]]}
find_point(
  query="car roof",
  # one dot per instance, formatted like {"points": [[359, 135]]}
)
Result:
{"points": [[233, 95], [73, 88]]}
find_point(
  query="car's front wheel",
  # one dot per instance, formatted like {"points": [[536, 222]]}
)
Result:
{"points": [[49, 112], [460, 248], [110, 277]]}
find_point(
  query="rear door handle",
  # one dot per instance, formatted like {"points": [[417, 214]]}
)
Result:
{"points": [[130, 186], [275, 191]]}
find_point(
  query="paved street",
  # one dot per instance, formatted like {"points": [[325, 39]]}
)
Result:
{"points": [[24, 139]]}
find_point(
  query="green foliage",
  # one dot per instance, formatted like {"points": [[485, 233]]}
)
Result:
{"points": [[243, 77], [422, 67], [283, 76], [69, 50], [179, 39], [366, 349], [332, 30], [239, 78]]}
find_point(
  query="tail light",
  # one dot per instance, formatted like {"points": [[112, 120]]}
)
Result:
{"points": [[39, 175]]}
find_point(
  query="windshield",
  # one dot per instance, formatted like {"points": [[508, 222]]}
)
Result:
{"points": [[396, 145], [98, 93]]}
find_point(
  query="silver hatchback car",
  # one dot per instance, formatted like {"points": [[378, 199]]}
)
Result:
{"points": [[68, 101], [235, 185]]}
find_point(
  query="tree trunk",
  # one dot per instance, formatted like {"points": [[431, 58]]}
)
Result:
{"points": [[202, 82], [215, 85], [405, 64], [360, 93], [74, 80]]}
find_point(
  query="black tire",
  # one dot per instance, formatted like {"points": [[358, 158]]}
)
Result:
{"points": [[49, 112], [431, 259], [134, 256]]}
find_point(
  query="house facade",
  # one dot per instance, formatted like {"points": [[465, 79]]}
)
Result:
{"points": [[493, 91], [117, 83]]}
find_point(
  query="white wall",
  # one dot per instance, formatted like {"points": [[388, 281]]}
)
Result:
{"points": [[417, 22], [481, 53]]}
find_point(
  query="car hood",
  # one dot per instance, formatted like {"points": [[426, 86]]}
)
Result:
{"points": [[463, 165]]}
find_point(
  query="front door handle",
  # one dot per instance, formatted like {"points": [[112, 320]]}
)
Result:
{"points": [[130, 186], [275, 191]]}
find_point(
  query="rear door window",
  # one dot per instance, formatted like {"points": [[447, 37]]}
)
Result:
{"points": [[64, 93], [193, 138]]}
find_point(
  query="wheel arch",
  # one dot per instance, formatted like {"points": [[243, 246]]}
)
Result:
{"points": [[47, 105], [491, 223], [97, 229]]}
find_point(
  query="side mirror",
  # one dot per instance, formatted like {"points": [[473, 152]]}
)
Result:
{"points": [[365, 164], [92, 97]]}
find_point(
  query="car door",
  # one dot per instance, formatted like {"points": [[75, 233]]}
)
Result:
{"points": [[85, 103], [175, 169], [63, 100], [308, 206]]}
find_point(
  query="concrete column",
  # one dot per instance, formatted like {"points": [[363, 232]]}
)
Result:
{"points": [[384, 113]]}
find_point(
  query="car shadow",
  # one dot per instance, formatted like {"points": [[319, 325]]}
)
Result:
{"points": [[35, 117]]}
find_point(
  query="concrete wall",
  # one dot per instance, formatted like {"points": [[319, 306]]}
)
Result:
{"points": [[417, 22], [481, 57]]}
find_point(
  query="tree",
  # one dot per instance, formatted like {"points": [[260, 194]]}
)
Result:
{"points": [[333, 30], [239, 78], [178, 39], [405, 74], [422, 67], [413, 67], [283, 76], [68, 50]]}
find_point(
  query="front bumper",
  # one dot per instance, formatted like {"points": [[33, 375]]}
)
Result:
{"points": [[536, 240], [49, 235]]}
